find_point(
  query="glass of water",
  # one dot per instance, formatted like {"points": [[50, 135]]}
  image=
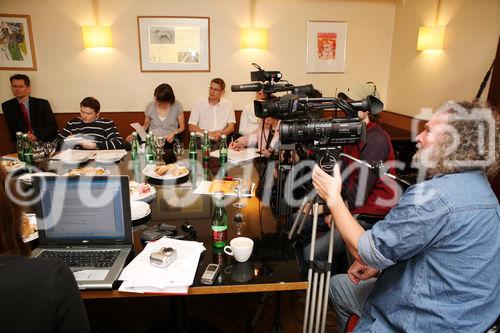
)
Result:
{"points": [[178, 150]]}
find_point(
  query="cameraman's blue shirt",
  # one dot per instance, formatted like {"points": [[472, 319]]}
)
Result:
{"points": [[439, 250]]}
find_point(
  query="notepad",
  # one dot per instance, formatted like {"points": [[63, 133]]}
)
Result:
{"points": [[239, 157]]}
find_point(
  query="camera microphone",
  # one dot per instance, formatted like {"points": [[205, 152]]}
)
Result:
{"points": [[247, 87]]}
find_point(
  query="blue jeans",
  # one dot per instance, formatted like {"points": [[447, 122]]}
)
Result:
{"points": [[348, 298]]}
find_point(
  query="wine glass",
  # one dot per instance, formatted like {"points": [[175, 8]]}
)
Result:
{"points": [[159, 143], [178, 150], [38, 152], [49, 148], [238, 187]]}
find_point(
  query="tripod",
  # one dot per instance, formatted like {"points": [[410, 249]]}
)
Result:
{"points": [[317, 275]]}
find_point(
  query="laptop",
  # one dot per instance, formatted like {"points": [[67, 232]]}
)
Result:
{"points": [[86, 223]]}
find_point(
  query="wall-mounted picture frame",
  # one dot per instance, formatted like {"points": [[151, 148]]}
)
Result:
{"points": [[326, 46], [174, 43], [17, 49]]}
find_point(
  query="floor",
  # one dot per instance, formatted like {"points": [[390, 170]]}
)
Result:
{"points": [[220, 313]]}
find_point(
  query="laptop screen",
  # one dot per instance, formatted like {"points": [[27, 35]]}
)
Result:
{"points": [[85, 210]]}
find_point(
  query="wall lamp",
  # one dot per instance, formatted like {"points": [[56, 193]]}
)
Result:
{"points": [[430, 38], [96, 36], [253, 38]]}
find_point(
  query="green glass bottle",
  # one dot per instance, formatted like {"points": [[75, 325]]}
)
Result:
{"points": [[27, 150], [223, 150], [135, 147], [19, 146], [219, 222], [148, 152], [193, 154], [205, 148]]}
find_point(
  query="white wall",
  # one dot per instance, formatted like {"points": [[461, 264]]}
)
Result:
{"points": [[429, 78], [67, 72]]}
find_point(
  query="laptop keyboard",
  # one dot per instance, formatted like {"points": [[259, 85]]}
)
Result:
{"points": [[83, 258]]}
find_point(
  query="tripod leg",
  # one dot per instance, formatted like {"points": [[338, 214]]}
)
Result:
{"points": [[305, 215], [297, 218], [310, 273], [319, 308], [327, 281]]}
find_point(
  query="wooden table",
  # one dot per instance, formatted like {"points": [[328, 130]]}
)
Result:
{"points": [[273, 265]]}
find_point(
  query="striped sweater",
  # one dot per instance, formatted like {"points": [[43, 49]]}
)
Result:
{"points": [[102, 131]]}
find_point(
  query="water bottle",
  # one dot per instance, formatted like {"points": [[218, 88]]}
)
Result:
{"points": [[148, 155], [19, 146], [135, 147], [223, 150], [219, 222], [205, 148], [27, 150], [193, 155]]}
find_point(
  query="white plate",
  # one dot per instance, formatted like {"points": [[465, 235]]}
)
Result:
{"points": [[26, 178], [75, 157], [17, 166], [33, 236], [149, 171], [139, 209], [108, 157], [106, 172], [146, 197]]}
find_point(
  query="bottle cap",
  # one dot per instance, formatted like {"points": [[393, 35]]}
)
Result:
{"points": [[223, 136], [219, 195], [193, 133]]}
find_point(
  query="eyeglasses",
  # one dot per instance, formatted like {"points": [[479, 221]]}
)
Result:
{"points": [[214, 89]]}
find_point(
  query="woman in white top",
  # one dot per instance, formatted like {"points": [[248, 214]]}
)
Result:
{"points": [[264, 137], [165, 115]]}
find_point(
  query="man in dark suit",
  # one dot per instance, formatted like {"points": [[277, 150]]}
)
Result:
{"points": [[28, 114]]}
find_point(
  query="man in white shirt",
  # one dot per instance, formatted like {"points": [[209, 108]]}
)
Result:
{"points": [[215, 114]]}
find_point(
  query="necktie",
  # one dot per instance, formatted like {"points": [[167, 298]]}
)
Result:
{"points": [[26, 117]]}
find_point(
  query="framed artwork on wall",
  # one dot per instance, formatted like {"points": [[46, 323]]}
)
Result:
{"points": [[174, 43], [326, 46], [17, 50]]}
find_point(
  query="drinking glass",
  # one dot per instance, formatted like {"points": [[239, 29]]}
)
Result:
{"points": [[178, 150], [49, 148], [159, 143], [239, 221], [239, 184], [38, 152]]}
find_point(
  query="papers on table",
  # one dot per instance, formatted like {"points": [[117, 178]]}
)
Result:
{"points": [[68, 154], [204, 188], [239, 157], [141, 277], [140, 130]]}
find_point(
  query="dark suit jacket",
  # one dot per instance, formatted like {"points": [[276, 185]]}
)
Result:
{"points": [[43, 122]]}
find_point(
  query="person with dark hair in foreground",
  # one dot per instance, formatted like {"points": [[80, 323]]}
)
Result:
{"points": [[96, 132], [432, 265], [27, 114], [36, 295]]}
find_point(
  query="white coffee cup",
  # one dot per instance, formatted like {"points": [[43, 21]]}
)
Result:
{"points": [[240, 247]]}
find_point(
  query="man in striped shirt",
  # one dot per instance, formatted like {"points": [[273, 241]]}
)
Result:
{"points": [[96, 132]]}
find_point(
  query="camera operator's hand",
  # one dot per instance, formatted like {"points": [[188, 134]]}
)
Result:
{"points": [[361, 272], [326, 186]]}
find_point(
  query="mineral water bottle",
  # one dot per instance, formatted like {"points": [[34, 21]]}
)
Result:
{"points": [[219, 222], [193, 155], [27, 150], [223, 150], [205, 148], [19, 146], [135, 147], [149, 150]]}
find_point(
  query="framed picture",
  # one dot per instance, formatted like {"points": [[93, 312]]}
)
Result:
{"points": [[17, 51], [326, 46], [174, 43]]}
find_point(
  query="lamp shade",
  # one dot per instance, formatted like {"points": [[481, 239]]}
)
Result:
{"points": [[253, 38], [430, 38], [96, 36]]}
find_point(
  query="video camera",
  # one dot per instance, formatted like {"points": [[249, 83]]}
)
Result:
{"points": [[323, 136]]}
